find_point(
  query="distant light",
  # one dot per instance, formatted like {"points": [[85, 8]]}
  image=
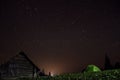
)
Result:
{"points": [[52, 74]]}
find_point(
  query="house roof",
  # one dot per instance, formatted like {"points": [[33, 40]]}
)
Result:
{"points": [[23, 54]]}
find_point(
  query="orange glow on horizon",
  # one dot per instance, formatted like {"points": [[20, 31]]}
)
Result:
{"points": [[53, 69]]}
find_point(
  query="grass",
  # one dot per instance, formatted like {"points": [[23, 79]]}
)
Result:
{"points": [[103, 75]]}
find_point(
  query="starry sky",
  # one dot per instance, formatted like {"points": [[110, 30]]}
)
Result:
{"points": [[60, 35]]}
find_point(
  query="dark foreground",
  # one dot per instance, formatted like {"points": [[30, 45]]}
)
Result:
{"points": [[103, 75]]}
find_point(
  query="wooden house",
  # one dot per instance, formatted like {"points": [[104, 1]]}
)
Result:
{"points": [[20, 66]]}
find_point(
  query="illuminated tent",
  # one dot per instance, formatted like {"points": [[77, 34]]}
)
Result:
{"points": [[92, 68]]}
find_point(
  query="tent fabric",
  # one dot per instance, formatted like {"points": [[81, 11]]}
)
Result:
{"points": [[92, 68]]}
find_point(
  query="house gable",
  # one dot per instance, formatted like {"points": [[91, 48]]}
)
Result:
{"points": [[19, 66]]}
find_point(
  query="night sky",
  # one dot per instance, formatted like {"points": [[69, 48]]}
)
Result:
{"points": [[60, 35]]}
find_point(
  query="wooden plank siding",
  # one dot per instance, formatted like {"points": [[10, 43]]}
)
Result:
{"points": [[19, 66]]}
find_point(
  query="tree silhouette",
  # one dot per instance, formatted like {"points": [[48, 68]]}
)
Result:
{"points": [[107, 64], [117, 65]]}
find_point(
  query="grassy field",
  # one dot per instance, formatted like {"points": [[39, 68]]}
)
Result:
{"points": [[103, 75]]}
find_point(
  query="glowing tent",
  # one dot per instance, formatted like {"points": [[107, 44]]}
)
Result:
{"points": [[92, 68]]}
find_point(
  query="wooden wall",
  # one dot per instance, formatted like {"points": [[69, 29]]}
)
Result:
{"points": [[18, 66]]}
